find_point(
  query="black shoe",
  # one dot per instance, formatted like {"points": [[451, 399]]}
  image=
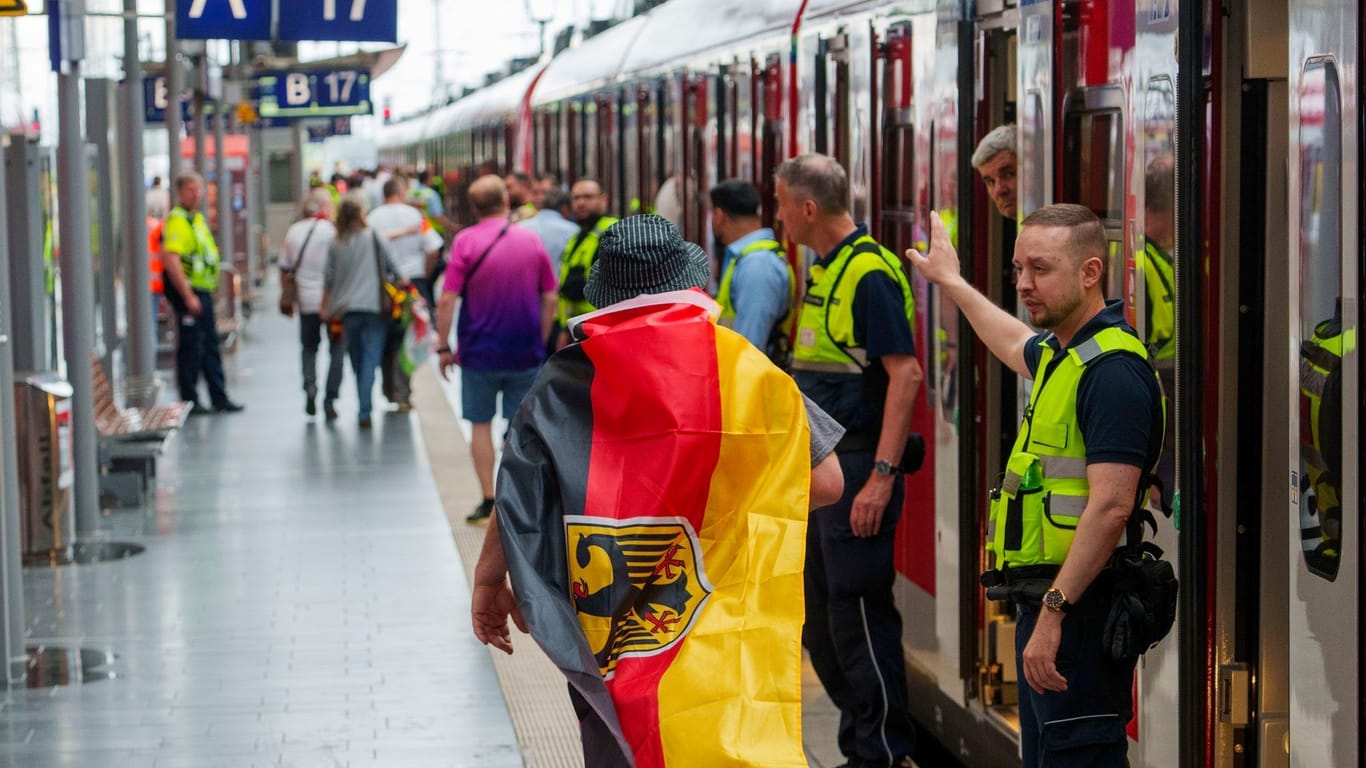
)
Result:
{"points": [[329, 410], [198, 410], [229, 406], [365, 423], [310, 407], [481, 512]]}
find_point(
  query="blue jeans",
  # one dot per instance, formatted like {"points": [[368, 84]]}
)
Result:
{"points": [[365, 333], [1083, 726]]}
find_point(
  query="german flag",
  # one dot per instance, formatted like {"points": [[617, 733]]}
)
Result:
{"points": [[652, 504]]}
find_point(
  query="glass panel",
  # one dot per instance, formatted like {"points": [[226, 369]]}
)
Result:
{"points": [[1155, 278], [1031, 189], [1094, 167], [1320, 321]]}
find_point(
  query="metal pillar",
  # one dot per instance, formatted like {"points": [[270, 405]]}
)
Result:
{"points": [[99, 124], [78, 293], [175, 85], [30, 339], [296, 164], [11, 555], [224, 181], [140, 356], [201, 93]]}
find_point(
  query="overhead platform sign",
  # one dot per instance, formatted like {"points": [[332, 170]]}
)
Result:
{"points": [[325, 93], [325, 20]]}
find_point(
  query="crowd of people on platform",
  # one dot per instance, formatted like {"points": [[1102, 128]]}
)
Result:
{"points": [[544, 267]]}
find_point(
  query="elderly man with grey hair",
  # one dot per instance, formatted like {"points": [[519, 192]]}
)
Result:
{"points": [[303, 256], [855, 357], [995, 161]]}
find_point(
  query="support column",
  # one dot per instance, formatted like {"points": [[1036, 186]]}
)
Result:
{"points": [[201, 92], [224, 181], [78, 289], [11, 550], [175, 85], [140, 357]]}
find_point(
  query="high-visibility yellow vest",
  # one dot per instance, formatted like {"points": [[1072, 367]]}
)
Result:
{"points": [[825, 328], [1321, 443], [1034, 514], [723, 291], [190, 237], [1159, 281], [578, 256]]}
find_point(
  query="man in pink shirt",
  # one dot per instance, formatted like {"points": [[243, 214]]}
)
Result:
{"points": [[500, 278]]}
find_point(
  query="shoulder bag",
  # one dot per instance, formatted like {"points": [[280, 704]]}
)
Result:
{"points": [[387, 290], [289, 285]]}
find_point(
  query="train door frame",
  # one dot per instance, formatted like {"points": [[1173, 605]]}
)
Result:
{"points": [[1080, 106], [694, 141], [771, 147], [1325, 701]]}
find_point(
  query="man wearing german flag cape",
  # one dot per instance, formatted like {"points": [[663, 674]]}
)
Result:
{"points": [[651, 513]]}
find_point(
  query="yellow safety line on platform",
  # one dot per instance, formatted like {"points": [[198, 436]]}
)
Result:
{"points": [[537, 698]]}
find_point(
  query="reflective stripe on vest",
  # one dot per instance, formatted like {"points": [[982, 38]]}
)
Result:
{"points": [[825, 330], [1320, 358], [1034, 514], [580, 253], [1159, 282], [191, 238]]}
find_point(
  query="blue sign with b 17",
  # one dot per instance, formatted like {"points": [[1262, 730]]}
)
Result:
{"points": [[325, 20], [328, 93]]}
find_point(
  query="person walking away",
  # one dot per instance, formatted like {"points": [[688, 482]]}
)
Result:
{"points": [[158, 200], [553, 226], [1091, 435], [855, 356], [704, 482], [756, 286], [414, 246], [304, 255], [191, 281], [589, 205], [358, 262], [499, 276]]}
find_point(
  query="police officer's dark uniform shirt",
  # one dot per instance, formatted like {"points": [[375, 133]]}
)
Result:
{"points": [[856, 401], [1115, 398]]}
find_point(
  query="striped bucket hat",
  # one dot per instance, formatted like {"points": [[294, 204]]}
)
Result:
{"points": [[644, 254]]}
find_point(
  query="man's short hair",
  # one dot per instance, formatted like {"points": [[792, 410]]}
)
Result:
{"points": [[1002, 138], [736, 197], [393, 187], [818, 178], [488, 195], [1087, 233], [1159, 184], [185, 177], [556, 199]]}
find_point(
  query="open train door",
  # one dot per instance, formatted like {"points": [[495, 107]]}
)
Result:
{"points": [[1323, 365]]}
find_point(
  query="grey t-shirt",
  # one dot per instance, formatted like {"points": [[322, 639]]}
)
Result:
{"points": [[825, 431], [351, 279]]}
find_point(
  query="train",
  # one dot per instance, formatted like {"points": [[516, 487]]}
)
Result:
{"points": [[1238, 122]]}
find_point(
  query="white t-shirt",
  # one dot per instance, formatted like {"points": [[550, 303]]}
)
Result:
{"points": [[409, 251], [309, 271]]}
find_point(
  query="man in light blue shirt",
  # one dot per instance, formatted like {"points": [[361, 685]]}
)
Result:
{"points": [[552, 225], [755, 288]]}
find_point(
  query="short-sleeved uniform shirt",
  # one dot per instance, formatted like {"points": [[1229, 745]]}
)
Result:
{"points": [[882, 328], [500, 309], [1119, 404]]}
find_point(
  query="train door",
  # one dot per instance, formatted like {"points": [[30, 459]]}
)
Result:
{"points": [[771, 149], [1323, 367], [695, 156]]}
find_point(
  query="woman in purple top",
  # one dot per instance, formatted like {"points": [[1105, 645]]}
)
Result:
{"points": [[500, 276]]}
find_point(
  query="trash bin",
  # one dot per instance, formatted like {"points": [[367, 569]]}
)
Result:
{"points": [[47, 518]]}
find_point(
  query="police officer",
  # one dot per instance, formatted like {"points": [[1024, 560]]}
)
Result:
{"points": [[756, 287], [1092, 431], [588, 203], [855, 357], [190, 283]]}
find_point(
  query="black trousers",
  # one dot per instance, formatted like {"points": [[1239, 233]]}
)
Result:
{"points": [[197, 350], [853, 628]]}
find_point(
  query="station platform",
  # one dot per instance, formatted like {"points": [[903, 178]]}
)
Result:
{"points": [[302, 599]]}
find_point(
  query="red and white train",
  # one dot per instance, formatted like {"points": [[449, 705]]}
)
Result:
{"points": [[1245, 116]]}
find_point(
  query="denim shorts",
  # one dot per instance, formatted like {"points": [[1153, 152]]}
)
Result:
{"points": [[479, 390]]}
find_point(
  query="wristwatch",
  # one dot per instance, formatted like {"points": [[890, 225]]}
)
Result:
{"points": [[886, 468], [1055, 601]]}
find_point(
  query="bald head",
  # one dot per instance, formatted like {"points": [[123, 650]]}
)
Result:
{"points": [[488, 196]]}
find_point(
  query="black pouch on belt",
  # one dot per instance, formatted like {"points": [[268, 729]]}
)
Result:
{"points": [[1143, 607]]}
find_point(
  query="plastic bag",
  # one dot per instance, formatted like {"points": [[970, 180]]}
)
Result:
{"points": [[417, 339]]}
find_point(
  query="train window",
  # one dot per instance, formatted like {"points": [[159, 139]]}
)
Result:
{"points": [[1320, 321], [1093, 142], [898, 169]]}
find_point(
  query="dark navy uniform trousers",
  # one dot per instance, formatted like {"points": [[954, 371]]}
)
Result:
{"points": [[1082, 727], [197, 349], [853, 629]]}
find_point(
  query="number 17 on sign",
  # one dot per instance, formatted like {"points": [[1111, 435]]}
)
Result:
{"points": [[330, 10]]}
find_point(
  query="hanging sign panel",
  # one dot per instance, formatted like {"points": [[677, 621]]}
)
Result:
{"points": [[347, 20], [222, 19], [324, 93]]}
